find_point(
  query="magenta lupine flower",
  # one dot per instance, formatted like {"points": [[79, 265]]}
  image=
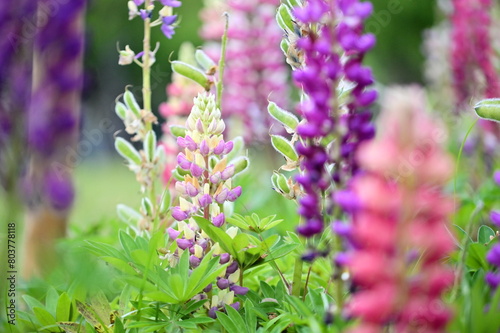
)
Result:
{"points": [[400, 228], [255, 71], [472, 52], [319, 76]]}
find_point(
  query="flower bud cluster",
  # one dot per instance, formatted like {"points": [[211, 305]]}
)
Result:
{"points": [[207, 182]]}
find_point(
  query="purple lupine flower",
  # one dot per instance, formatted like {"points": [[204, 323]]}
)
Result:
{"points": [[54, 113], [219, 220], [170, 3], [318, 76], [184, 243], [167, 26], [138, 2], [493, 256], [238, 290], [179, 214]]}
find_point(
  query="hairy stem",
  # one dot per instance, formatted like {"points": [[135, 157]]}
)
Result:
{"points": [[146, 68]]}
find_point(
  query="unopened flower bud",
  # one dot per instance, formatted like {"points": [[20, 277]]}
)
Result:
{"points": [[183, 162], [238, 290], [223, 283], [224, 258], [194, 261], [196, 170], [219, 220], [172, 233], [222, 196], [219, 149], [233, 267], [228, 147], [228, 172], [179, 214], [205, 200], [234, 194], [204, 149], [184, 243]]}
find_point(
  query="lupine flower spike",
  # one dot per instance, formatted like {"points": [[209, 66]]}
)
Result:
{"points": [[399, 235]]}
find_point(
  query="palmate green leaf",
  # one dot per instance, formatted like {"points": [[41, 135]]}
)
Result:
{"points": [[475, 257], [51, 301], [120, 264], [127, 242], [484, 233], [44, 317], [204, 274], [228, 323], [216, 234], [239, 221], [100, 304], [250, 316]]}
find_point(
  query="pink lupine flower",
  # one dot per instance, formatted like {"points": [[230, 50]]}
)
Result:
{"points": [[399, 231], [255, 70], [472, 55]]}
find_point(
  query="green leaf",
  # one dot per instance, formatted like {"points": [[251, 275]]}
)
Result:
{"points": [[191, 73], [118, 326], [250, 317], [236, 318], [489, 109], [63, 309], [485, 234], [101, 307], [51, 301], [120, 264], [32, 302], [127, 242], [284, 147], [228, 324], [127, 214], [476, 257], [216, 235], [127, 151], [44, 316]]}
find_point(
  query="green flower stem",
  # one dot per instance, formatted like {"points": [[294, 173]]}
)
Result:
{"points": [[297, 276], [222, 62], [146, 68]]}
